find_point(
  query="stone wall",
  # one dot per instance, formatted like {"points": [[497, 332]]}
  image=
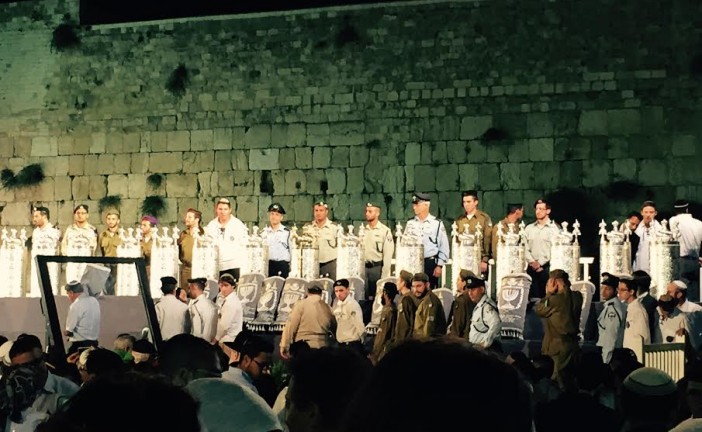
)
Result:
{"points": [[594, 103]]}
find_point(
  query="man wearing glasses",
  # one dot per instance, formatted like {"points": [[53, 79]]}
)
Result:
{"points": [[435, 239], [250, 358], [230, 234]]}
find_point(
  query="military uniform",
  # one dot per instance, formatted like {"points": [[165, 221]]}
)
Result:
{"points": [[310, 320], [505, 229], [461, 314], [146, 244], [405, 317], [327, 238], [538, 248], [430, 319], [610, 327], [378, 249], [470, 223], [108, 242], [186, 242], [561, 313], [485, 323], [384, 337]]}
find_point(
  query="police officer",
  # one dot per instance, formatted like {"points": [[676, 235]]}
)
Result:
{"points": [[485, 323], [326, 232], [378, 248], [469, 221], [462, 309], [610, 322], [278, 237], [436, 244]]}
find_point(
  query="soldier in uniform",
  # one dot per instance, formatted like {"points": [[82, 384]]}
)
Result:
{"points": [[311, 320], [378, 249], [172, 314], [80, 226], [186, 242], [388, 318], [430, 320], [469, 222], [278, 237], [539, 235], [462, 309], [148, 222], [407, 308], [610, 322], [434, 237], [561, 312], [108, 241], [515, 212], [326, 232], [485, 323]]}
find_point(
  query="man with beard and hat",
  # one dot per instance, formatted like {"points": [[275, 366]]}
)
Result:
{"points": [[388, 317], [430, 320]]}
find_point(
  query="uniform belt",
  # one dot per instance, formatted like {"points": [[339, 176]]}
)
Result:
{"points": [[371, 264], [689, 257]]}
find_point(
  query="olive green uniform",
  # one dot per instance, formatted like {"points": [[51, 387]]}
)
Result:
{"points": [[405, 317], [430, 319], [464, 222], [461, 314], [384, 337]]}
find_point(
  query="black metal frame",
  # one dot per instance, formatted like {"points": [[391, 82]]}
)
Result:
{"points": [[49, 304]]}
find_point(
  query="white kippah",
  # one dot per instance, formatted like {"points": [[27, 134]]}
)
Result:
{"points": [[680, 284], [648, 381]]}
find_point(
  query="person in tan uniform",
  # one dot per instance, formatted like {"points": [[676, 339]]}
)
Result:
{"points": [[311, 320], [560, 310], [80, 227], [469, 221], [430, 320], [326, 232], [108, 241], [406, 309], [378, 249], [515, 212], [388, 318], [186, 241], [462, 309], [147, 224]]}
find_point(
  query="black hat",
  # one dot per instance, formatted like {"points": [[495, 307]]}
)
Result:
{"points": [[681, 204], [276, 207], [420, 277], [75, 287], [420, 197], [372, 204], [314, 288], [168, 280], [226, 277], [610, 280], [471, 280], [144, 346], [200, 281], [390, 289], [342, 282]]}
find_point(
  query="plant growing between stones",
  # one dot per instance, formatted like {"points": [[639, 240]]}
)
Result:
{"points": [[153, 205], [28, 176], [178, 81], [154, 181], [65, 35], [109, 202]]}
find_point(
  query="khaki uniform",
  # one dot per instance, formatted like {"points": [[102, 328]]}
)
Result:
{"points": [[88, 231], [461, 313], [146, 253], [405, 317], [326, 239], [430, 319], [463, 223], [561, 313], [505, 229], [384, 337], [378, 247], [108, 242], [186, 242], [310, 320]]}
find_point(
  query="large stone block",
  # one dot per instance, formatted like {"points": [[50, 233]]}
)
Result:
{"points": [[98, 143], [170, 162], [447, 178], [539, 125], [596, 173], [303, 157], [247, 209], [243, 182], [240, 160], [456, 151], [122, 163], [222, 139], [44, 146], [546, 175], [413, 153], [287, 158], [106, 164], [354, 180], [16, 214], [623, 122], [81, 144], [80, 188], [98, 187], [224, 184], [489, 177], [318, 134], [340, 157], [336, 180], [302, 208], [624, 169], [321, 157], [258, 136], [181, 185], [75, 165], [541, 149], [62, 188], [178, 141], [510, 176], [474, 126], [346, 134], [393, 179], [155, 142], [263, 159], [201, 140], [131, 142], [118, 184], [130, 212], [90, 165], [593, 123], [468, 176], [137, 186], [139, 162], [425, 178], [652, 172], [685, 145]]}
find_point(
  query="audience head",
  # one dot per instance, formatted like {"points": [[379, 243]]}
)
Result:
{"points": [[102, 362], [642, 281], [185, 357], [255, 353], [649, 397]]}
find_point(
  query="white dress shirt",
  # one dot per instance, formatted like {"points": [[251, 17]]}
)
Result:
{"points": [[636, 326], [646, 234], [231, 317], [203, 316], [690, 234], [83, 319], [173, 316]]}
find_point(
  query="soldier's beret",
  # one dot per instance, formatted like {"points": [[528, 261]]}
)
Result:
{"points": [[321, 203], [420, 277], [420, 197], [275, 207], [342, 282], [148, 218], [370, 204]]}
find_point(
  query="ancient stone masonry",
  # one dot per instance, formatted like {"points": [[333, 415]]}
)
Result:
{"points": [[580, 100]]}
